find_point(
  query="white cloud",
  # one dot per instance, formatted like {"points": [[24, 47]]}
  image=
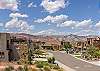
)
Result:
{"points": [[64, 21], [53, 19], [25, 27], [86, 32], [53, 6], [17, 15], [85, 24], [49, 32], [97, 25], [34, 5], [20, 25], [13, 23], [9, 4], [68, 24], [31, 5]]}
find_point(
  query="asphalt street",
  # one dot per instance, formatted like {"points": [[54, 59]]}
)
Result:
{"points": [[76, 64]]}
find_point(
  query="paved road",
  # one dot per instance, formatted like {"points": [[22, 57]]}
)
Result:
{"points": [[74, 63]]}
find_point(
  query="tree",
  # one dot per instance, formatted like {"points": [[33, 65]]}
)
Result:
{"points": [[67, 46], [92, 52], [23, 53], [30, 56], [29, 51], [97, 54]]}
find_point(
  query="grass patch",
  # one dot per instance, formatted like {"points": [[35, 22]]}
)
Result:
{"points": [[78, 56]]}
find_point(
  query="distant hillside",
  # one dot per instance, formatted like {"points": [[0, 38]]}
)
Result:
{"points": [[69, 38]]}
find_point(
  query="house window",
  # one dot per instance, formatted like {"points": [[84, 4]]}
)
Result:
{"points": [[2, 55], [89, 42], [7, 44]]}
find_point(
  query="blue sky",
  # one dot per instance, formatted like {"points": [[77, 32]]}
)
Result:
{"points": [[50, 17]]}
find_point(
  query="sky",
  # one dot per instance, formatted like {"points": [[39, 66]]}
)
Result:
{"points": [[50, 17]]}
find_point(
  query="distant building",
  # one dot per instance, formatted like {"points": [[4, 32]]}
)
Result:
{"points": [[94, 41], [90, 41], [48, 43], [51, 46]]}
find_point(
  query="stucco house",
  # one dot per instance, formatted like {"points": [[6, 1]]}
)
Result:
{"points": [[4, 46]]}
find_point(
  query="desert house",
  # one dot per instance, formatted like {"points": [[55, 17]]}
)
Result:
{"points": [[8, 51], [94, 42], [4, 47]]}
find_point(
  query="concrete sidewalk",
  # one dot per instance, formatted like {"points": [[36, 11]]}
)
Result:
{"points": [[66, 68]]}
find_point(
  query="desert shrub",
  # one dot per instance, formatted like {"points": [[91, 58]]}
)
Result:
{"points": [[41, 64], [18, 62], [10, 68], [20, 68], [26, 68], [33, 69]]}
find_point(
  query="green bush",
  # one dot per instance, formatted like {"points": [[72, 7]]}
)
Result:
{"points": [[51, 60], [39, 64], [25, 68], [56, 67], [60, 70], [47, 68]]}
